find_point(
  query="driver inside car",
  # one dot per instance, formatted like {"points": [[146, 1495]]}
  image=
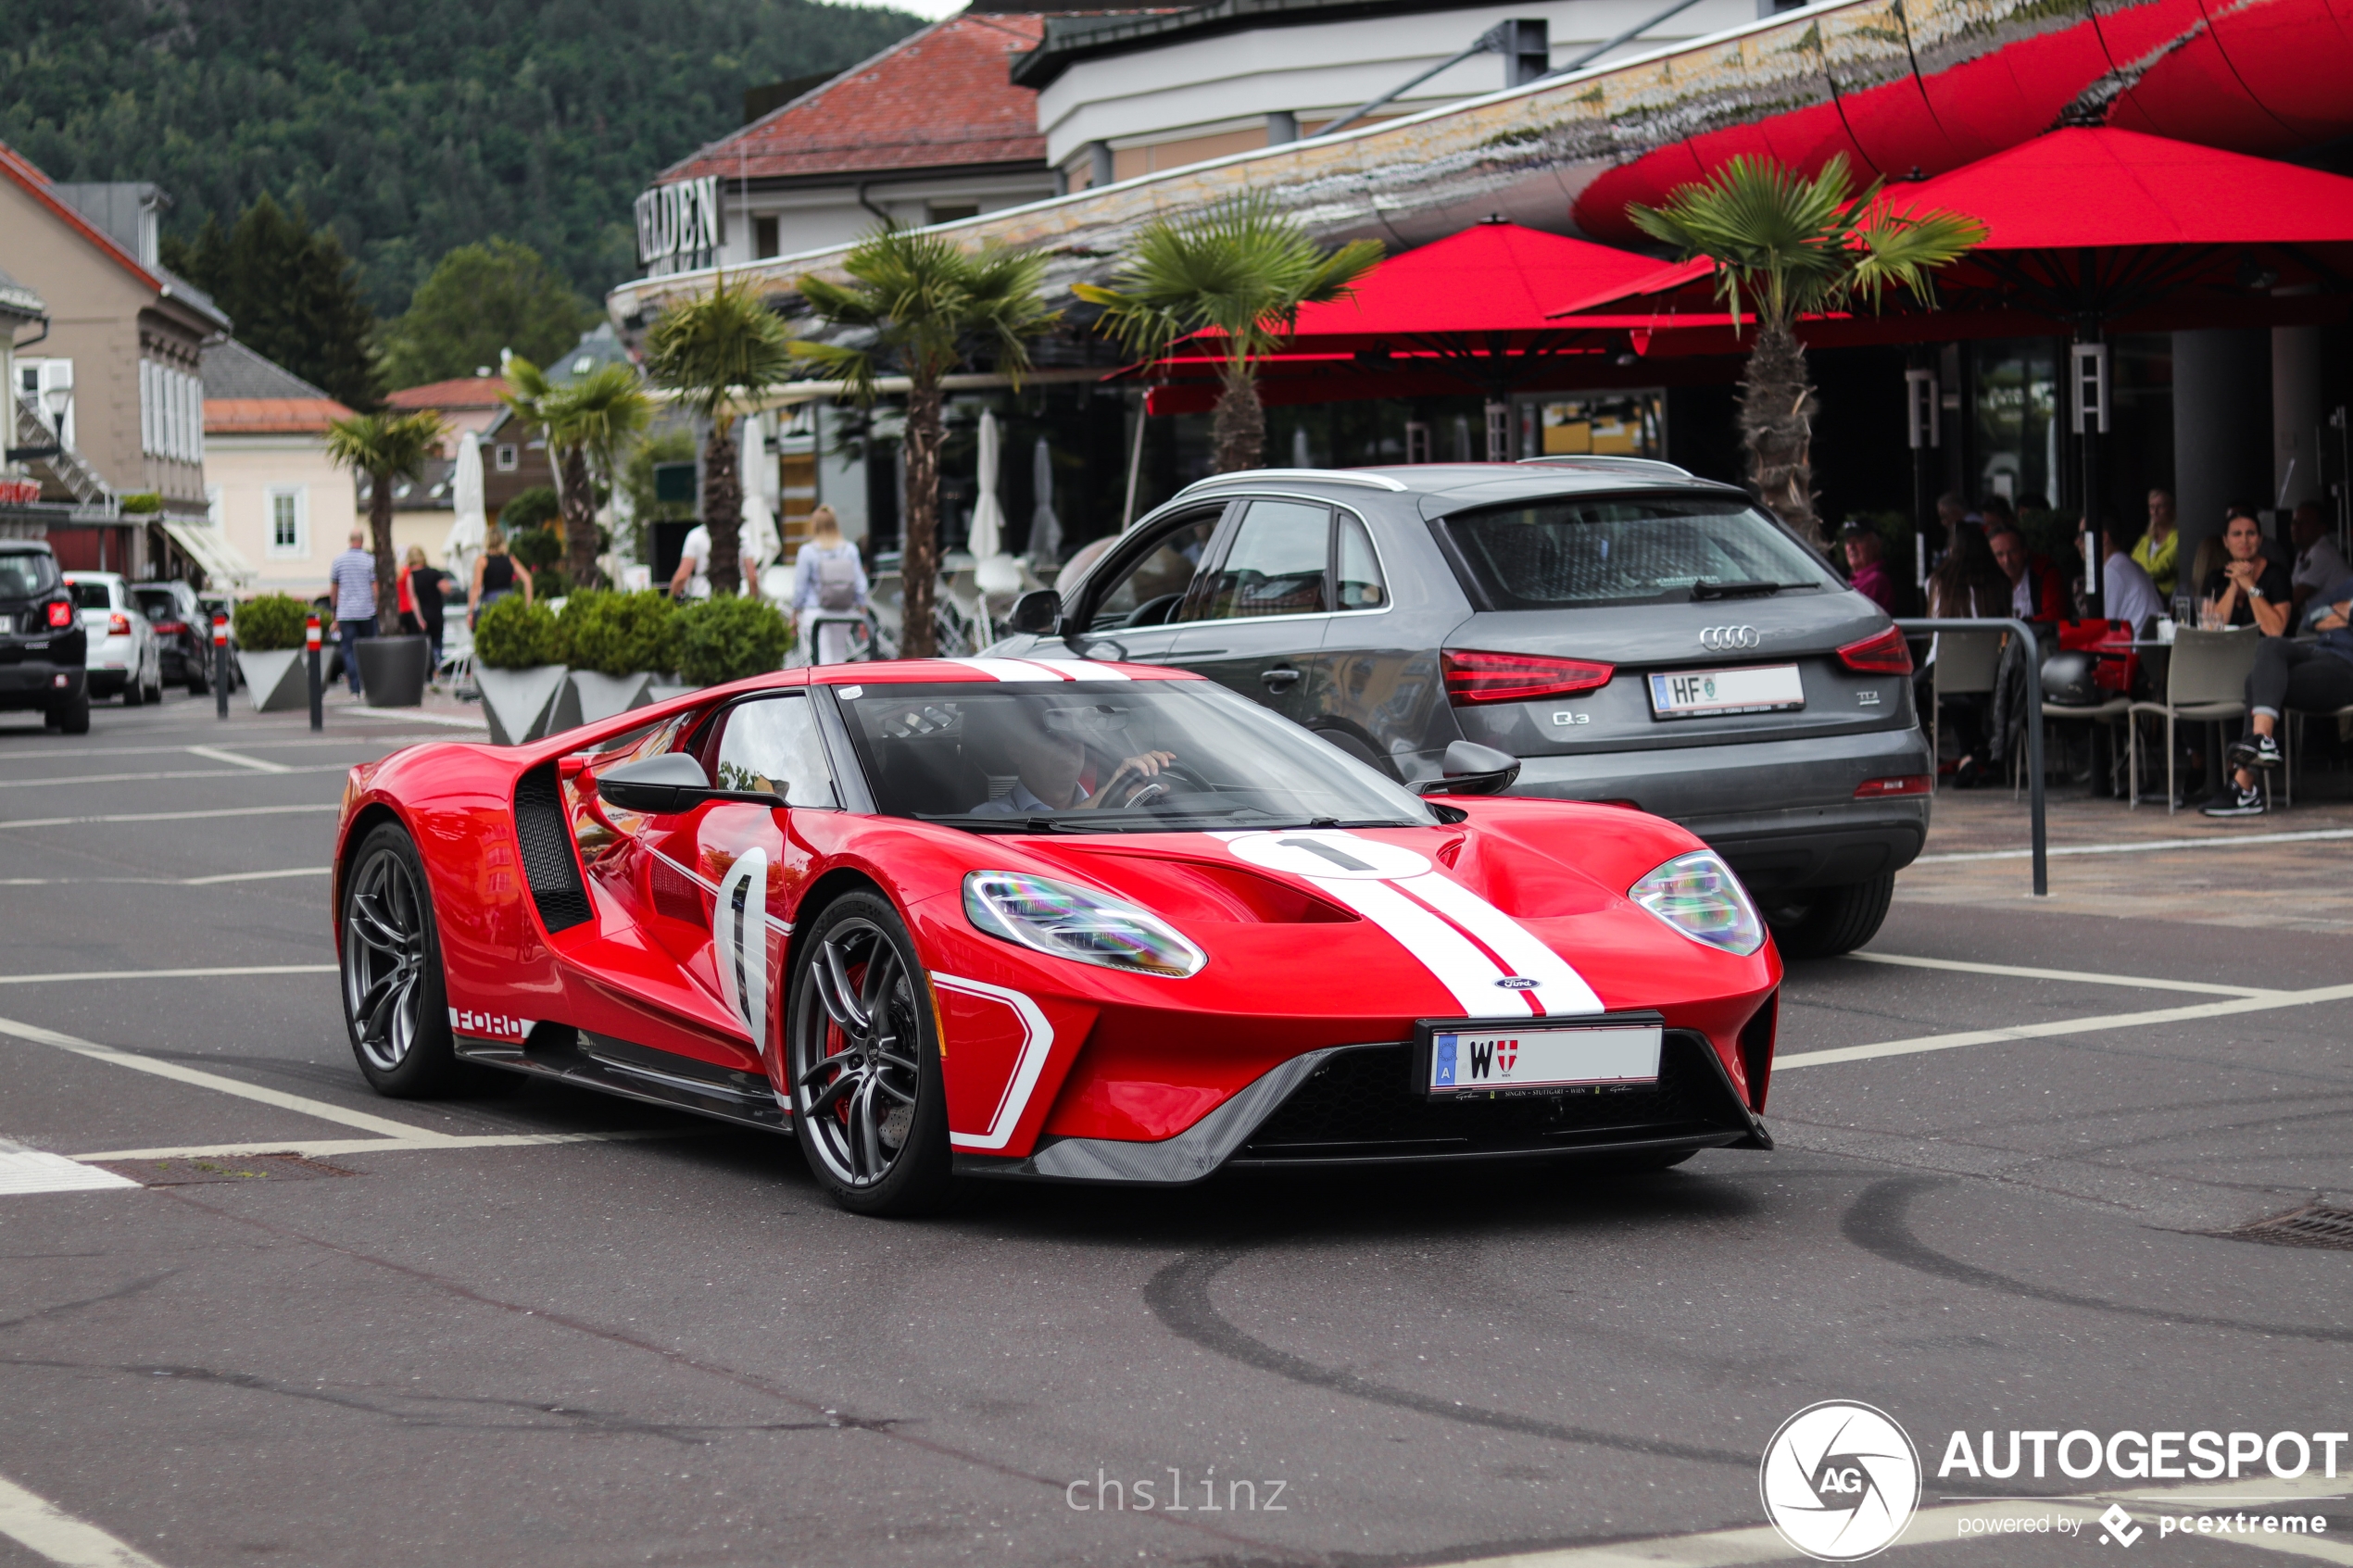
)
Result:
{"points": [[1056, 771]]}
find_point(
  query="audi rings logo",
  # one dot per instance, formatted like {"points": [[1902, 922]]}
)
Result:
{"points": [[1727, 639], [1840, 1480]]}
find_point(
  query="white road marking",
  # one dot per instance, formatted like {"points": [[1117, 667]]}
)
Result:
{"points": [[169, 973], [169, 816], [250, 744], [178, 773], [254, 876], [156, 880], [2137, 982], [30, 1170], [2269, 1002], [411, 716], [241, 760], [318, 1108], [321, 1149], [2221, 840], [55, 1535]]}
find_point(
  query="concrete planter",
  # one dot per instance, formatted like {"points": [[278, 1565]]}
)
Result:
{"points": [[393, 671], [520, 704], [275, 680], [595, 695]]}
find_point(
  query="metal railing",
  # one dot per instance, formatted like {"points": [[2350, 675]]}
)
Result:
{"points": [[2034, 722]]}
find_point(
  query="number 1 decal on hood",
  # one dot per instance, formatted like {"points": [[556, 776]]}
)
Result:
{"points": [[1494, 966], [740, 941]]}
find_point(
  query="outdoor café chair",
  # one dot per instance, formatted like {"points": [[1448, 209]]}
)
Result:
{"points": [[2204, 682], [1964, 664]]}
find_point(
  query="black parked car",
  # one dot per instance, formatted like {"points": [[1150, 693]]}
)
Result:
{"points": [[42, 644], [1630, 632], [184, 632]]}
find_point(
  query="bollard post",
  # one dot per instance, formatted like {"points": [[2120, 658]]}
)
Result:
{"points": [[318, 690], [221, 666]]}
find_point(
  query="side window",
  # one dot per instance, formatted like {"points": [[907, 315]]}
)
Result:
{"points": [[1274, 567], [772, 746], [1152, 589], [1357, 570]]}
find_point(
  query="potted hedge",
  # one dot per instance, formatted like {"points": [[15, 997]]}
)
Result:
{"points": [[519, 666], [618, 644], [730, 638], [270, 647]]}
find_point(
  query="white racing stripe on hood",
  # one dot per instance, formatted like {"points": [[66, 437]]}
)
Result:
{"points": [[1445, 951], [1559, 986], [1013, 669]]}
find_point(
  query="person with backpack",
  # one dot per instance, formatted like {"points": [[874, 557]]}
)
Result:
{"points": [[829, 587]]}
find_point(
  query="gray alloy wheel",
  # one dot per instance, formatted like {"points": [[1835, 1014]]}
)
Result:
{"points": [[393, 1001], [867, 1099]]}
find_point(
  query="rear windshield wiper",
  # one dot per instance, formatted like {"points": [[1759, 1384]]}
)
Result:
{"points": [[1703, 589]]}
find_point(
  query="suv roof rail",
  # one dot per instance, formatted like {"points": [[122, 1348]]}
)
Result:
{"points": [[1327, 476], [1600, 460]]}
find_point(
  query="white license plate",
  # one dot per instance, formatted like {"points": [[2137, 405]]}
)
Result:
{"points": [[1542, 1057], [1761, 688], [7, 625]]}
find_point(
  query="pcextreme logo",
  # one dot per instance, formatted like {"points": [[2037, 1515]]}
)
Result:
{"points": [[1840, 1480]]}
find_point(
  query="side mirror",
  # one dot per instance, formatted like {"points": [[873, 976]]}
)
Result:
{"points": [[1036, 613], [1472, 769], [665, 786]]}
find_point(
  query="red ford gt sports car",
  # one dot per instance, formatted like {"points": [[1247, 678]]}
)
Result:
{"points": [[1079, 921]]}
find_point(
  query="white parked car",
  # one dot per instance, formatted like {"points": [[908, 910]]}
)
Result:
{"points": [[125, 658]]}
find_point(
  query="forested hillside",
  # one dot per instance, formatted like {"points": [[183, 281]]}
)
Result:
{"points": [[408, 126]]}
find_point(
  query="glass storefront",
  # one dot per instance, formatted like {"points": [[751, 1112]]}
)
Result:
{"points": [[2017, 422]]}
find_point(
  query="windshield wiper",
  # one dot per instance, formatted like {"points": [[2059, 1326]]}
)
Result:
{"points": [[1703, 589], [989, 822]]}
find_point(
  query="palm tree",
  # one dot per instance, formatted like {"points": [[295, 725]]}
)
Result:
{"points": [[1796, 247], [587, 423], [717, 352], [1239, 269], [386, 447], [922, 303]]}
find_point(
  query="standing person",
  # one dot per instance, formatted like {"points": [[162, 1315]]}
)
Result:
{"points": [[420, 588], [1865, 573], [2318, 564], [2245, 590], [2310, 677], [351, 582], [2159, 552], [1969, 585], [2036, 591], [494, 575], [692, 580], [827, 578]]}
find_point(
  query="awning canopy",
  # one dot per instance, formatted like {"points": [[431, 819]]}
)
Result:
{"points": [[1492, 277], [224, 566]]}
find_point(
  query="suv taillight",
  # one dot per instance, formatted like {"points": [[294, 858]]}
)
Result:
{"points": [[118, 625], [171, 628], [60, 614], [1884, 653], [1473, 677]]}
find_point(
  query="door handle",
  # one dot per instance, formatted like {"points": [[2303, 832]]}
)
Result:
{"points": [[1280, 677]]}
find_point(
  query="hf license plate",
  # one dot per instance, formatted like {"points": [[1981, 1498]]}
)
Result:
{"points": [[1534, 1058], [1692, 694]]}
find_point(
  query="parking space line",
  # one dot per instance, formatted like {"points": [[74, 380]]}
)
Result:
{"points": [[2227, 840], [241, 760], [253, 743], [157, 882], [2267, 1002], [313, 1108], [55, 1535], [169, 816], [177, 773], [169, 973], [321, 1149], [2138, 982], [24, 1170]]}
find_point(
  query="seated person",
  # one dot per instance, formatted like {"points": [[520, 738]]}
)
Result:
{"points": [[1865, 573], [1055, 771], [2245, 590], [2126, 592], [2037, 593], [2309, 677], [2319, 564]]}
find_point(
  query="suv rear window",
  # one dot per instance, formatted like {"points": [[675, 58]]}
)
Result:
{"points": [[24, 573], [92, 596], [157, 605], [1623, 549]]}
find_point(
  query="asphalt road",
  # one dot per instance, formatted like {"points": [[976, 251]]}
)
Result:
{"points": [[654, 1341]]}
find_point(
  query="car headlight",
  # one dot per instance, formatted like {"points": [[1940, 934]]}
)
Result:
{"points": [[1070, 921], [1698, 894]]}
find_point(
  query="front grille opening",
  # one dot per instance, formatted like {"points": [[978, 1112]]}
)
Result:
{"points": [[1363, 1103], [2315, 1224], [1757, 1050]]}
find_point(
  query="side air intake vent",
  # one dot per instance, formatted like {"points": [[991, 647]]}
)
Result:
{"points": [[548, 857]]}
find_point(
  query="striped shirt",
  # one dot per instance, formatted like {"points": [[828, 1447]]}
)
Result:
{"points": [[352, 576]]}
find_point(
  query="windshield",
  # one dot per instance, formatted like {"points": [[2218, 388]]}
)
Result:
{"points": [[1108, 757], [26, 572], [1625, 549]]}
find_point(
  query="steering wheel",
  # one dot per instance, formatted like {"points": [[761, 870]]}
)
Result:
{"points": [[1138, 791]]}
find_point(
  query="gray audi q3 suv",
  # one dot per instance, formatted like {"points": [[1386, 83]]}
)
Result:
{"points": [[1630, 632]]}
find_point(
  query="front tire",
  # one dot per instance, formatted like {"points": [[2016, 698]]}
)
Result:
{"points": [[1832, 921], [72, 716], [862, 1053], [395, 1006]]}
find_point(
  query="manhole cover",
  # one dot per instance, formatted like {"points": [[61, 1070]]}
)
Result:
{"points": [[190, 1170], [2316, 1224]]}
